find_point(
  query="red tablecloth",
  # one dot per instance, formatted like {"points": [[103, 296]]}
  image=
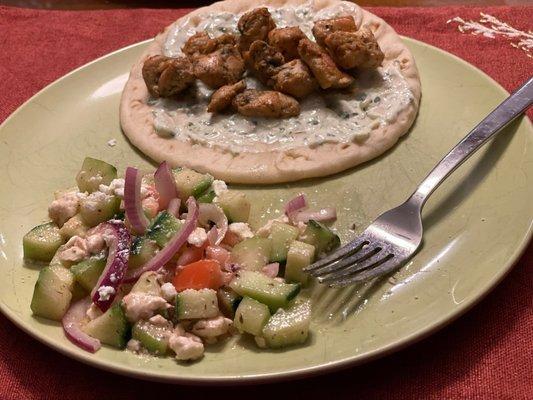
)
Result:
{"points": [[484, 355]]}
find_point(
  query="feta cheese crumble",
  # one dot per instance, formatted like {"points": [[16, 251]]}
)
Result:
{"points": [[134, 345], [168, 291], [139, 305], [115, 187], [241, 230], [212, 327], [186, 346], [197, 237], [64, 208], [94, 201], [219, 187], [105, 292]]}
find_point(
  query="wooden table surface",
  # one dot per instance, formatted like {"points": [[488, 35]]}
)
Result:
{"points": [[103, 4]]}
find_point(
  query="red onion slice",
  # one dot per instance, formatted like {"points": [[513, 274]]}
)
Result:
{"points": [[118, 240], [212, 236], [72, 326], [296, 204], [271, 270], [171, 248], [212, 212], [322, 215], [165, 185], [132, 201], [174, 207]]}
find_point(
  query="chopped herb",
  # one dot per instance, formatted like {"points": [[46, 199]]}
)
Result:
{"points": [[377, 99], [360, 96], [344, 115]]}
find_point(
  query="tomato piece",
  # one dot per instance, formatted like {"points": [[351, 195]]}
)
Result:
{"points": [[217, 253], [203, 274]]}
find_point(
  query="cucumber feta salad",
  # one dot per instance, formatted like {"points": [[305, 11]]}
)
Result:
{"points": [[166, 263]]}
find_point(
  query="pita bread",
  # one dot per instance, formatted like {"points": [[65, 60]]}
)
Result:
{"points": [[272, 166]]}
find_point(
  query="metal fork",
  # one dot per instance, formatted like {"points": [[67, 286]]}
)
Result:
{"points": [[395, 235]]}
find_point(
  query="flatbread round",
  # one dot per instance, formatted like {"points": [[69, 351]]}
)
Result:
{"points": [[274, 166]]}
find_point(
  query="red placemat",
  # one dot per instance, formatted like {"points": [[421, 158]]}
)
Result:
{"points": [[485, 355]]}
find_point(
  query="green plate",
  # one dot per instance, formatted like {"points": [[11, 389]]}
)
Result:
{"points": [[476, 224]]}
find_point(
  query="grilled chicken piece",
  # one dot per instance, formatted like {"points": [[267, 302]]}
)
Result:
{"points": [[199, 44], [226, 39], [264, 61], [165, 76], [266, 103], [324, 27], [221, 67], [254, 25], [286, 40], [295, 78], [323, 67], [222, 98], [355, 49]]}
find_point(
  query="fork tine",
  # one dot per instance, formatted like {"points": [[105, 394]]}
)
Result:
{"points": [[359, 256], [344, 251], [382, 268], [375, 257]]}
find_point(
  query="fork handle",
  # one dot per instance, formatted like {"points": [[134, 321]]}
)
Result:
{"points": [[500, 117]]}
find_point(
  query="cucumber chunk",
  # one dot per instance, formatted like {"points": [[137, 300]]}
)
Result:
{"points": [[266, 290], [96, 209], [300, 255], [142, 250], [53, 292], [191, 183], [111, 328], [42, 242], [282, 235], [228, 301], [94, 173], [235, 205], [207, 197], [78, 292], [251, 316], [153, 338], [163, 228], [320, 236], [288, 327], [147, 283], [252, 254], [74, 227], [88, 271], [191, 304]]}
